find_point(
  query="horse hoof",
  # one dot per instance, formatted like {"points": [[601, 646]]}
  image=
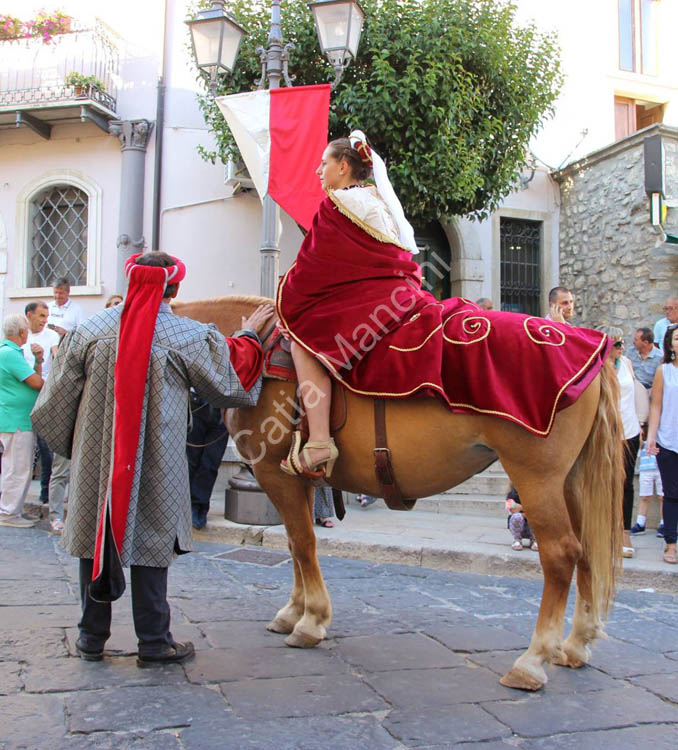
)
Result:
{"points": [[278, 625], [521, 680], [299, 639], [573, 658]]}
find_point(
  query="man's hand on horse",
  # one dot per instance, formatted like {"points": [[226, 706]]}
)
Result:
{"points": [[258, 319]]}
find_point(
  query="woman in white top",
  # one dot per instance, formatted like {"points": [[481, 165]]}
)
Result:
{"points": [[662, 437], [630, 425]]}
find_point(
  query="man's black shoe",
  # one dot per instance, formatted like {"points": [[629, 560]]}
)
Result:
{"points": [[198, 517], [177, 652], [88, 654]]}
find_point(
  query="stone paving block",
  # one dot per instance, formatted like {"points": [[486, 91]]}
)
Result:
{"points": [[477, 637], [10, 678], [32, 721], [621, 659], [74, 673], [36, 592], [301, 696], [663, 685], [547, 713], [304, 733], [658, 737], [210, 610], [142, 709], [240, 634], [161, 740], [29, 570], [641, 632], [406, 651], [560, 679], [432, 688], [444, 726], [31, 645], [36, 618], [233, 665]]}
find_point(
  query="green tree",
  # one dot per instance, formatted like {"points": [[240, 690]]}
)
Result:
{"points": [[448, 91]]}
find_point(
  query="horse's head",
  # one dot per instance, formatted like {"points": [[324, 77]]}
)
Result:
{"points": [[225, 312]]}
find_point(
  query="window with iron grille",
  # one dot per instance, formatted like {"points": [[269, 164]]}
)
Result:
{"points": [[520, 242], [58, 236]]}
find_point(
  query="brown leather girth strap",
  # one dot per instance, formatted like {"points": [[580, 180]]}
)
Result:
{"points": [[339, 507], [382, 462]]}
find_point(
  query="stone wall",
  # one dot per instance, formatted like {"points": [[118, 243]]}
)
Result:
{"points": [[610, 255]]}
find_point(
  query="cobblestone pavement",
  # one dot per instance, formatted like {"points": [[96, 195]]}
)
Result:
{"points": [[412, 660]]}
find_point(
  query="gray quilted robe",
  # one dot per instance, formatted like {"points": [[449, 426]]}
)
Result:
{"points": [[74, 413]]}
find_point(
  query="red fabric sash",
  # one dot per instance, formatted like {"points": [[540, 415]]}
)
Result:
{"points": [[357, 304], [137, 325]]}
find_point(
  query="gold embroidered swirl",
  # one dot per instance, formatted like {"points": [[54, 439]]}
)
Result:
{"points": [[546, 330], [478, 327]]}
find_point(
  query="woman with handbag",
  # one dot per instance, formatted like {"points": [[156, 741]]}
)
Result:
{"points": [[630, 424]]}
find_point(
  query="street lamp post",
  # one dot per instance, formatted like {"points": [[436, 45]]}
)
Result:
{"points": [[216, 40]]}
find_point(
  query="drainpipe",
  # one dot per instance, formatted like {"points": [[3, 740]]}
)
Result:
{"points": [[159, 134]]}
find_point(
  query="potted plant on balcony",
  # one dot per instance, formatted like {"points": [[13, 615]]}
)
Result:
{"points": [[82, 84], [10, 27]]}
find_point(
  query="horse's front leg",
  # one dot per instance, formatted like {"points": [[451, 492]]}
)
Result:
{"points": [[308, 612], [287, 617]]}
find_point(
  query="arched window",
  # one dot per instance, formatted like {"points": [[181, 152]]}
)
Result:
{"points": [[58, 236]]}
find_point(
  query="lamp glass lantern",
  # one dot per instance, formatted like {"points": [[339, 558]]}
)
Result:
{"points": [[339, 24], [216, 38]]}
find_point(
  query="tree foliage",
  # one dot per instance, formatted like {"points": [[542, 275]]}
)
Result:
{"points": [[449, 92]]}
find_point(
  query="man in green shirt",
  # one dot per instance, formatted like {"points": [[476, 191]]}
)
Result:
{"points": [[19, 386]]}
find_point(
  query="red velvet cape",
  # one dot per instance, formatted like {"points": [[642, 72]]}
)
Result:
{"points": [[356, 303]]}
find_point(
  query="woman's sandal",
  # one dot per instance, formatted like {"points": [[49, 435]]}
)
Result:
{"points": [[517, 545], [325, 522], [672, 559], [292, 464], [628, 552]]}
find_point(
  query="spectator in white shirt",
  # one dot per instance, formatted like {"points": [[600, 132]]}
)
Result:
{"points": [[38, 333], [48, 341], [64, 313]]}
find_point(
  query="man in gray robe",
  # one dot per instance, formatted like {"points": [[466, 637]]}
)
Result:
{"points": [[75, 414]]}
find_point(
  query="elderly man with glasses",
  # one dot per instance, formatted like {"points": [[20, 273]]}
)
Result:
{"points": [[671, 312]]}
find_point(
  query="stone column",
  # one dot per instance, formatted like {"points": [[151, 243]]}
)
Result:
{"points": [[133, 135]]}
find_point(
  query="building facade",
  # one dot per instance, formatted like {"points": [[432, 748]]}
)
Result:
{"points": [[87, 177]]}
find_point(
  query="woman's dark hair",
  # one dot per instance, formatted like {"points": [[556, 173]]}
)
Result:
{"points": [[341, 149], [158, 258], [667, 344]]}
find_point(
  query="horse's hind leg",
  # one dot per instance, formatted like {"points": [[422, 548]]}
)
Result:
{"points": [[559, 550], [585, 627]]}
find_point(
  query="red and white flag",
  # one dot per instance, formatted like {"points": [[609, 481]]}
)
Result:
{"points": [[281, 134]]}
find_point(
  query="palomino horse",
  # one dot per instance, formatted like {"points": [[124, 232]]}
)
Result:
{"points": [[570, 484]]}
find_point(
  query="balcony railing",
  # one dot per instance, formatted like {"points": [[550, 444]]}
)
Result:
{"points": [[34, 74]]}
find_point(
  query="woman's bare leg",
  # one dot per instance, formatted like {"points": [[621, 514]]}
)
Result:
{"points": [[316, 393]]}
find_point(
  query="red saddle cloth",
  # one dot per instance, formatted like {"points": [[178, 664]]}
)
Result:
{"points": [[356, 303]]}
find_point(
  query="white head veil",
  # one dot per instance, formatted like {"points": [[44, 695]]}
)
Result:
{"points": [[387, 193]]}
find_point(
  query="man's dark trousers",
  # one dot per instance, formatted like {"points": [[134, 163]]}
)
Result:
{"points": [[203, 462], [46, 456], [150, 610]]}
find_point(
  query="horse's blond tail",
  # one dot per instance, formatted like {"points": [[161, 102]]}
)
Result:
{"points": [[598, 478]]}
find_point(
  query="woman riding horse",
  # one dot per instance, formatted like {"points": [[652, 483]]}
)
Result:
{"points": [[345, 165]]}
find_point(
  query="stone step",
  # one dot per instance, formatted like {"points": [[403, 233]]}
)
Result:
{"points": [[485, 483], [492, 506]]}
